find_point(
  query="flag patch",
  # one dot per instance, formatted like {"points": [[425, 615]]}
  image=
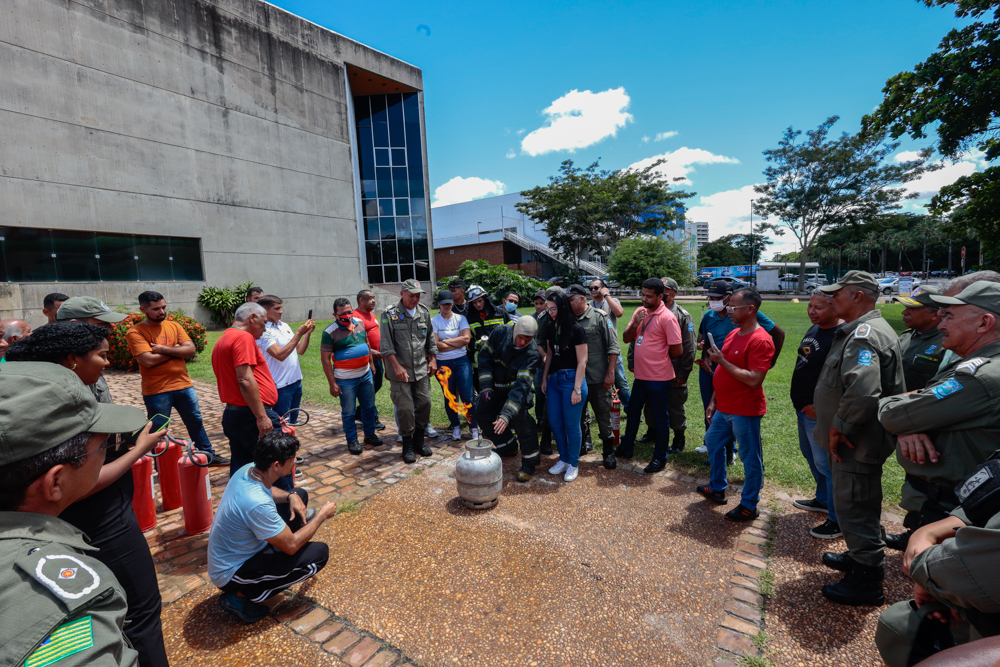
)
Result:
{"points": [[946, 388], [865, 357], [67, 639]]}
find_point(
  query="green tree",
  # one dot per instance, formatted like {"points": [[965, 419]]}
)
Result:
{"points": [[592, 209], [823, 183], [635, 260], [752, 247], [498, 280], [955, 91], [720, 252]]}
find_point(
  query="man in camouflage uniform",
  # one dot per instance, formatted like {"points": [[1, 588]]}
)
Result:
{"points": [[921, 342], [952, 426], [863, 366]]}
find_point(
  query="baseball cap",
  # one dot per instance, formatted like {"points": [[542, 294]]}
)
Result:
{"points": [[720, 288], [577, 290], [670, 283], [412, 286], [859, 278], [42, 405], [920, 296], [444, 296], [984, 294], [82, 307], [540, 294]]}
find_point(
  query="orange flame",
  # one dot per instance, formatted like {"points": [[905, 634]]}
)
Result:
{"points": [[457, 406]]}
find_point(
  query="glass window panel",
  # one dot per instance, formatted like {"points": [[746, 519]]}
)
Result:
{"points": [[375, 274], [154, 258], [383, 177], [371, 229], [411, 108], [398, 157], [405, 251], [380, 121], [384, 207], [417, 206], [391, 274], [370, 188], [373, 253], [388, 226], [29, 255], [117, 253], [389, 255], [403, 228], [414, 151], [405, 271], [420, 253], [370, 207], [362, 112], [187, 258], [402, 207], [399, 186], [76, 256], [416, 180], [381, 157], [423, 272], [394, 102], [367, 153], [419, 226]]}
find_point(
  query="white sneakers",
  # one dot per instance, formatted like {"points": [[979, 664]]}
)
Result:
{"points": [[571, 473], [473, 434], [456, 433], [701, 449], [558, 468], [430, 432]]}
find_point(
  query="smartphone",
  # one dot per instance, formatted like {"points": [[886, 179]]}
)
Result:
{"points": [[159, 422], [310, 314], [711, 339]]}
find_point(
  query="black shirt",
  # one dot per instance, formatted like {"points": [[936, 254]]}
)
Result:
{"points": [[812, 353], [564, 347]]}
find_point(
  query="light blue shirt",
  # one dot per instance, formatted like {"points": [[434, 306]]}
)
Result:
{"points": [[246, 519]]}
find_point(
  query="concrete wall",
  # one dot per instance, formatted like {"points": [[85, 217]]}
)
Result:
{"points": [[220, 119]]}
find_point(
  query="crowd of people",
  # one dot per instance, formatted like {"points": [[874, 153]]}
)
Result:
{"points": [[860, 392]]}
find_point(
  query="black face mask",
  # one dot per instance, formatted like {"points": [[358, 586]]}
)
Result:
{"points": [[980, 492]]}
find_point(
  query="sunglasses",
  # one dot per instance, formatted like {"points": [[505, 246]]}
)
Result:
{"points": [[113, 443]]}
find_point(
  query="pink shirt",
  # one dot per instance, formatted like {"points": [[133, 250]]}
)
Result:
{"points": [[653, 338]]}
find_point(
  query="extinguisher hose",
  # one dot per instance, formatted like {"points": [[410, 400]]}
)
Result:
{"points": [[153, 454], [191, 451], [298, 422]]}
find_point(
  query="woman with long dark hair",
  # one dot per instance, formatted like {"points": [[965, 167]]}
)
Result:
{"points": [[563, 382], [106, 515]]}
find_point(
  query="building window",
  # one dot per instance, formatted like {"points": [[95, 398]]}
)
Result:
{"points": [[30, 255], [391, 163]]}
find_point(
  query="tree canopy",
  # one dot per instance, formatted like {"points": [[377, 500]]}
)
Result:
{"points": [[636, 259], [734, 249]]}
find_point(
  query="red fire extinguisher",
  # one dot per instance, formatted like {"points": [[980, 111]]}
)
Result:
{"points": [[169, 453], [616, 416], [144, 497], [196, 490]]}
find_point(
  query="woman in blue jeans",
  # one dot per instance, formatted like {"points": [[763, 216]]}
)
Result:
{"points": [[452, 334], [563, 382]]}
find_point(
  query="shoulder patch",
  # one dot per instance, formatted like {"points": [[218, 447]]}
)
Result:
{"points": [[930, 350], [55, 571], [864, 357], [863, 330], [690, 326], [946, 388], [65, 640], [970, 366]]}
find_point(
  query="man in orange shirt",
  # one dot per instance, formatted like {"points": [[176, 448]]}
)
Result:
{"points": [[161, 347]]}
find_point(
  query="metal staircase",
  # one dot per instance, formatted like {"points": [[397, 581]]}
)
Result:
{"points": [[590, 268]]}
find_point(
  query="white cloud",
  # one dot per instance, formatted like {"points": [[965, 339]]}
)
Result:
{"points": [[681, 162], [728, 212], [645, 139], [660, 136], [907, 156], [579, 119], [459, 190], [511, 154], [521, 131]]}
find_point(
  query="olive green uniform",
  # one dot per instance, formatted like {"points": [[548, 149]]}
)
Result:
{"points": [[922, 354], [411, 339], [58, 604], [602, 340], [863, 366], [960, 411]]}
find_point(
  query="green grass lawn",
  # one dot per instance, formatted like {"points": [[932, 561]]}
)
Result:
{"points": [[784, 465]]}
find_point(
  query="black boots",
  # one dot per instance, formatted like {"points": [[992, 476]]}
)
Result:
{"points": [[862, 585], [840, 562], [419, 444], [408, 454], [656, 465], [898, 542], [679, 443]]}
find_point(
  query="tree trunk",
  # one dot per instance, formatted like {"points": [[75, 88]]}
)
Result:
{"points": [[802, 267]]}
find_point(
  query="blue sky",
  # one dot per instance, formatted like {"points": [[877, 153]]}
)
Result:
{"points": [[709, 85]]}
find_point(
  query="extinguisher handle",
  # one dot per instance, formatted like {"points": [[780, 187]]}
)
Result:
{"points": [[191, 451], [299, 422]]}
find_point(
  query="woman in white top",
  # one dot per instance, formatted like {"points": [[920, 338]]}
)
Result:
{"points": [[452, 335]]}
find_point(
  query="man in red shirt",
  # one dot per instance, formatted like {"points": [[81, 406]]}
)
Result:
{"points": [[366, 313], [245, 385], [738, 403]]}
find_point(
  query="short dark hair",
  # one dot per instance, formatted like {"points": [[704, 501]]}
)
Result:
{"points": [[339, 303], [275, 447], [456, 283], [363, 294], [149, 297], [54, 342], [751, 297], [511, 292], [15, 478], [255, 290], [54, 298], [654, 284], [600, 280], [269, 300]]}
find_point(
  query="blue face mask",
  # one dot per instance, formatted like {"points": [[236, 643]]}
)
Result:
{"points": [[511, 307]]}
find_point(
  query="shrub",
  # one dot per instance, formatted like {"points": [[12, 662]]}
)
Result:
{"points": [[498, 280], [222, 302], [118, 352]]}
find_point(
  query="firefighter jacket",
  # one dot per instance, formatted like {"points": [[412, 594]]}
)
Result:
{"points": [[505, 367]]}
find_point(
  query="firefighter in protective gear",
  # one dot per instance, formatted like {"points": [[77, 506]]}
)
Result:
{"points": [[507, 363], [483, 318]]}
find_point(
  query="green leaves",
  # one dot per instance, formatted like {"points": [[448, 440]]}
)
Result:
{"points": [[498, 280], [635, 260], [222, 302]]}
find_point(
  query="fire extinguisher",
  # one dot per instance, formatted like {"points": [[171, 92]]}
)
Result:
{"points": [[144, 496], [166, 466], [616, 416], [196, 490]]}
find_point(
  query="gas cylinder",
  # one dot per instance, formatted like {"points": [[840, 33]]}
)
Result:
{"points": [[196, 491], [166, 465], [616, 417], [144, 497], [479, 475]]}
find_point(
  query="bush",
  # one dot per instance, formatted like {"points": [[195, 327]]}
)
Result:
{"points": [[636, 259], [498, 280], [118, 353], [222, 302]]}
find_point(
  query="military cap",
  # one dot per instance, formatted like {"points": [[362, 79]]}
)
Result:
{"points": [[984, 294], [412, 286], [670, 283], [920, 296], [42, 405], [576, 290], [720, 288], [859, 278], [82, 307], [540, 294]]}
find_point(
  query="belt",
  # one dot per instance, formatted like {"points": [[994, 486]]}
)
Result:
{"points": [[933, 491], [246, 407]]}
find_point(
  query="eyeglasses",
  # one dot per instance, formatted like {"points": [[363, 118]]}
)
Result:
{"points": [[113, 442], [594, 289], [732, 309]]}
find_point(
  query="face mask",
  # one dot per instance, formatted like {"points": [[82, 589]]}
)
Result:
{"points": [[511, 307], [344, 321], [717, 306]]}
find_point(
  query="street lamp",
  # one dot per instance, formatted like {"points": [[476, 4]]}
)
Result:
{"points": [[479, 239], [751, 240]]}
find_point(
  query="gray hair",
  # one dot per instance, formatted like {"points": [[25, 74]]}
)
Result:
{"points": [[958, 284], [248, 309], [12, 330], [819, 292]]}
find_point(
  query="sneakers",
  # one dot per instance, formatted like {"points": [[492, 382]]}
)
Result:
{"points": [[741, 513], [571, 473], [242, 608], [399, 438], [456, 433], [812, 505], [828, 530], [429, 432], [355, 447], [219, 460], [559, 468], [473, 434], [717, 497], [701, 449], [379, 426]]}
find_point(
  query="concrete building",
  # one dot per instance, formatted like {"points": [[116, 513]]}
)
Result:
{"points": [[175, 144], [701, 233], [687, 237]]}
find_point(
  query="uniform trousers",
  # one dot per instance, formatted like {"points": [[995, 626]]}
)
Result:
{"points": [[857, 497], [599, 399], [413, 404], [522, 424]]}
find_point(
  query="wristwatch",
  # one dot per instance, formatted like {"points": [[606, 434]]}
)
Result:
{"points": [[577, 391]]}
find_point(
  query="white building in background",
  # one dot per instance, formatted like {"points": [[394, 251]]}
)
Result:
{"points": [[688, 238], [701, 232]]}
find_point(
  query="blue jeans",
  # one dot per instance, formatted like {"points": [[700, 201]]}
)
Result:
{"points": [[289, 398], [353, 391], [707, 390], [746, 430], [240, 426], [818, 460], [621, 382], [657, 394], [185, 401], [460, 384], [564, 417]]}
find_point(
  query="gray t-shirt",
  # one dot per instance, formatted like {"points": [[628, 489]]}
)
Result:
{"points": [[606, 307]]}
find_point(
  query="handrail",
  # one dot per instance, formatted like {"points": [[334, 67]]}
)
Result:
{"points": [[594, 268]]}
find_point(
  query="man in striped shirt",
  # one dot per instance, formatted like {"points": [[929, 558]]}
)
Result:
{"points": [[350, 373]]}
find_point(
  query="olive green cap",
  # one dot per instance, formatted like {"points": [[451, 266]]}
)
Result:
{"points": [[670, 283], [42, 405], [859, 278], [412, 286], [919, 297], [82, 307], [984, 294]]}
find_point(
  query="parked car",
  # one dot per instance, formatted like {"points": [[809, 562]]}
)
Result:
{"points": [[889, 285]]}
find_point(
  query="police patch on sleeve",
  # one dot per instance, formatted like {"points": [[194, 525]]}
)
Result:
{"points": [[862, 331], [864, 357], [690, 326], [67, 576], [946, 388], [970, 366], [65, 640]]}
